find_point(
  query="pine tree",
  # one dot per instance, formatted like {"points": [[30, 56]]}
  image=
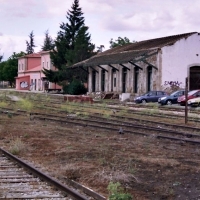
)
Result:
{"points": [[119, 42], [72, 45], [48, 42], [1, 57], [30, 44]]}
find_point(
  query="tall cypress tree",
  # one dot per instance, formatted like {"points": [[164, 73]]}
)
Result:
{"points": [[72, 45], [48, 42], [30, 45]]}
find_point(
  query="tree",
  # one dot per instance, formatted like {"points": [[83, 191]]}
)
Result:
{"points": [[2, 64], [100, 48], [72, 45], [1, 57], [30, 44], [48, 42], [9, 68], [119, 42]]}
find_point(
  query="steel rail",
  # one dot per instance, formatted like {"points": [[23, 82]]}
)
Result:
{"points": [[112, 121], [45, 177], [59, 119], [132, 132]]}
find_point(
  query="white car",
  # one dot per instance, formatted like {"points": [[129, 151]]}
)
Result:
{"points": [[194, 102]]}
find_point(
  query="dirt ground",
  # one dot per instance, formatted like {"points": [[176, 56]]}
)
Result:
{"points": [[146, 167]]}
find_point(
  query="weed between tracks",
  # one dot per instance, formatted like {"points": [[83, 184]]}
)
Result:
{"points": [[17, 146]]}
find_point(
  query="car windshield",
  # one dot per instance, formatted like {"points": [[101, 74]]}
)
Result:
{"points": [[174, 93], [192, 92], [145, 94]]}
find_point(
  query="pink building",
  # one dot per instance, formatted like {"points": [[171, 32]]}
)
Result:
{"points": [[30, 75]]}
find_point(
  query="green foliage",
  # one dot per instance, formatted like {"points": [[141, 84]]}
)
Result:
{"points": [[24, 104], [1, 57], [10, 115], [30, 45], [72, 45], [116, 192], [9, 68], [119, 42], [2, 75], [3, 104], [75, 88], [48, 42]]}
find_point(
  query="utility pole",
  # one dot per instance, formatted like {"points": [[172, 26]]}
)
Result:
{"points": [[186, 99]]}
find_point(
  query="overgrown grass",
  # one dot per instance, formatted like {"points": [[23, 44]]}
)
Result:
{"points": [[123, 112], [67, 108], [106, 114], [24, 104], [16, 146], [3, 104]]}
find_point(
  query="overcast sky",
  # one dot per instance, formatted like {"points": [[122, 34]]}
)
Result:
{"points": [[136, 19]]}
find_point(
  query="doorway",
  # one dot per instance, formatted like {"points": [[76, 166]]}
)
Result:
{"points": [[149, 78], [93, 81], [103, 76], [124, 76], [194, 80]]}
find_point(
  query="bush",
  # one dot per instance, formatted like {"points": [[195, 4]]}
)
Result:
{"points": [[116, 192], [74, 88], [16, 146]]}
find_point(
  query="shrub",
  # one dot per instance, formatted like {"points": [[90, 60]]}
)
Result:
{"points": [[74, 88], [116, 192], [16, 146]]}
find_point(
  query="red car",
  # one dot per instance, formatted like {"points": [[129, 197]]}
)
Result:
{"points": [[191, 95]]}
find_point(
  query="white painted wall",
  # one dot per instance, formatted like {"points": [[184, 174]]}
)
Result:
{"points": [[177, 58]]}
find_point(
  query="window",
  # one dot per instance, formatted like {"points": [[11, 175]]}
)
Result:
{"points": [[152, 93], [160, 93], [47, 65], [19, 66]]}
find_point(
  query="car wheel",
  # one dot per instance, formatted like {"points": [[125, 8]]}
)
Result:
{"points": [[144, 101], [169, 102]]}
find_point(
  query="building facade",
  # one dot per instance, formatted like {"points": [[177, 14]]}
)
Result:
{"points": [[30, 75], [156, 64]]}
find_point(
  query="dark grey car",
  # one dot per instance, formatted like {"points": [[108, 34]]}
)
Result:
{"points": [[151, 96], [172, 98]]}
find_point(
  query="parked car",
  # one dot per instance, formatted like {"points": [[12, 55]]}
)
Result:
{"points": [[191, 95], [151, 96], [172, 98], [194, 102]]}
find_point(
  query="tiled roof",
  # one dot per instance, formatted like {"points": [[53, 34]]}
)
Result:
{"points": [[128, 52], [38, 68], [33, 55]]}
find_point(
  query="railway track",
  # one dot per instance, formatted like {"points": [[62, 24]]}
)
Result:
{"points": [[160, 131], [147, 111], [20, 180]]}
